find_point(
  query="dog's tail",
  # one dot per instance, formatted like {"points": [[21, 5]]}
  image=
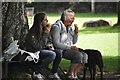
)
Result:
{"points": [[101, 64], [100, 59]]}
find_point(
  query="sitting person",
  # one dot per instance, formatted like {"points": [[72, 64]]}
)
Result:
{"points": [[64, 37], [37, 39]]}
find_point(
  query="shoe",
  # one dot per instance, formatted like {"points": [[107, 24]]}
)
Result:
{"points": [[38, 76], [75, 77], [54, 76], [70, 77]]}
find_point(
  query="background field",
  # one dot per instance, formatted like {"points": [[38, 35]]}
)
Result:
{"points": [[80, 18], [104, 39]]}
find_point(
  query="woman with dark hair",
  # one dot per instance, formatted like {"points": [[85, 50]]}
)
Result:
{"points": [[37, 39]]}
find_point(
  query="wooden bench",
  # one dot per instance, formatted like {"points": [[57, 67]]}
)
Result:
{"points": [[18, 63], [11, 67]]}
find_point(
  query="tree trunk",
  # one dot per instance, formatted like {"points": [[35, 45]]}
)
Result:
{"points": [[118, 12], [14, 27], [93, 6], [0, 38], [14, 23]]}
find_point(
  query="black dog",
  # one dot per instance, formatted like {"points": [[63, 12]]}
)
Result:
{"points": [[94, 58]]}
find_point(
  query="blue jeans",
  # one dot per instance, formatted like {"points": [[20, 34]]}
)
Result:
{"points": [[46, 56], [57, 60]]}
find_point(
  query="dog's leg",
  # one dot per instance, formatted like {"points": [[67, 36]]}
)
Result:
{"points": [[91, 73], [94, 72], [100, 65], [101, 72], [84, 73]]}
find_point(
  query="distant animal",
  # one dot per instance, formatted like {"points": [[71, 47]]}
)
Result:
{"points": [[94, 58], [96, 23]]}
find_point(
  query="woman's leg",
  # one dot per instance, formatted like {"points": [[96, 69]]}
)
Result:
{"points": [[47, 57], [76, 59], [72, 70], [77, 69], [57, 60], [84, 60], [56, 63]]}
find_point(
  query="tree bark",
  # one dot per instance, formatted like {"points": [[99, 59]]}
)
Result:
{"points": [[14, 23], [118, 13]]}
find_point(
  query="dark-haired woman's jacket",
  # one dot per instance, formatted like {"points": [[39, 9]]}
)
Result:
{"points": [[35, 43]]}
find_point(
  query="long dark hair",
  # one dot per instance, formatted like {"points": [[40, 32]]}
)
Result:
{"points": [[37, 27]]}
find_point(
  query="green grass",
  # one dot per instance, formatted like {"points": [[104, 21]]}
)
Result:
{"points": [[99, 30], [102, 15], [107, 43], [87, 14], [111, 64], [104, 39], [80, 18]]}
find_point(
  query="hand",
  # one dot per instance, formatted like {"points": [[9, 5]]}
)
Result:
{"points": [[73, 48], [47, 28], [76, 28], [52, 49]]}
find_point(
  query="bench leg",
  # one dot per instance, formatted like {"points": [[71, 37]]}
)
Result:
{"points": [[5, 69]]}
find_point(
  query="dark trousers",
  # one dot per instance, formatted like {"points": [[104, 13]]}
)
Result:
{"points": [[73, 55], [46, 57]]}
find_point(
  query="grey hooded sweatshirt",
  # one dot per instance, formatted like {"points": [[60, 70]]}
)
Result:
{"points": [[61, 38]]}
